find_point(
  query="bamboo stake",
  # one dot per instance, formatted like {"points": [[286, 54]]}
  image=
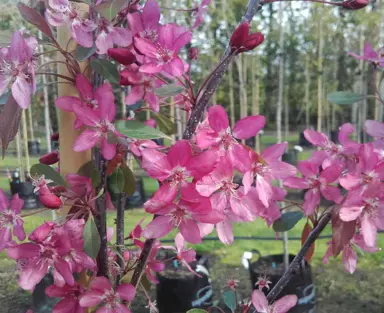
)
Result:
{"points": [[231, 96], [256, 96], [30, 123], [70, 161], [306, 91], [25, 140], [19, 157], [320, 76]]}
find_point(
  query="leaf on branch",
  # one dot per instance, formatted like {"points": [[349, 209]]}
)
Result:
{"points": [[9, 122], [229, 298], [83, 53], [91, 238], [129, 181], [110, 8], [344, 97], [342, 232], [197, 311], [89, 170], [166, 125], [34, 17], [106, 69], [287, 221], [48, 172], [116, 181], [304, 235], [169, 90], [138, 130]]}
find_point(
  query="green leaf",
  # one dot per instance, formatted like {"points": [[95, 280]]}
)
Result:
{"points": [[344, 97], [197, 311], [83, 53], [287, 221], [5, 36], [229, 297], [138, 130], [169, 90], [106, 69], [166, 125], [91, 238], [110, 8], [48, 172], [89, 170], [129, 181], [116, 181]]}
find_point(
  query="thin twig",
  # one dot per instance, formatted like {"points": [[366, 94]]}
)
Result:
{"points": [[294, 267]]}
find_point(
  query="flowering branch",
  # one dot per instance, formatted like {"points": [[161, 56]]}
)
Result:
{"points": [[295, 265]]}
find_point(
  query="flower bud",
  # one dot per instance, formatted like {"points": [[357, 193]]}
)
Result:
{"points": [[242, 41], [48, 199], [55, 137], [122, 55], [193, 53], [50, 158], [354, 4], [41, 232]]}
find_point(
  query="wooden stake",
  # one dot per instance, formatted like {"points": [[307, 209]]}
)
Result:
{"points": [[30, 123], [320, 76], [25, 140]]}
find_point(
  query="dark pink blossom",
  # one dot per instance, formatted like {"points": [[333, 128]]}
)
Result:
{"points": [[316, 184], [17, 68], [199, 12], [101, 97], [100, 291], [283, 305], [369, 54], [217, 135], [10, 220], [162, 56], [70, 298]]}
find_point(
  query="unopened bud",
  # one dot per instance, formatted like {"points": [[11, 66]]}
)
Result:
{"points": [[193, 53], [242, 41], [55, 137], [50, 158], [354, 4], [122, 55], [48, 199]]}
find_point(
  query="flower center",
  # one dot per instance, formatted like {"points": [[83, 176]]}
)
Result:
{"points": [[149, 34], [178, 216], [164, 55], [179, 176]]}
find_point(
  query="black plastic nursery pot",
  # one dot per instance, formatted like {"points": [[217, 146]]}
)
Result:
{"points": [[179, 290], [25, 191], [138, 198], [301, 284], [251, 142], [290, 157], [303, 142], [34, 147]]}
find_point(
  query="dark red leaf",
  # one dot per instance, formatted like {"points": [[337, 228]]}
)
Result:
{"points": [[304, 235], [32, 16], [342, 232], [9, 122]]}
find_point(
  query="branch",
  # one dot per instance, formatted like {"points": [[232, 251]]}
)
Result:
{"points": [[197, 112], [294, 267], [120, 233]]}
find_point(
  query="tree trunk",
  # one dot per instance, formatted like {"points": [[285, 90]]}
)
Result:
{"points": [[231, 95], [320, 76], [25, 141]]}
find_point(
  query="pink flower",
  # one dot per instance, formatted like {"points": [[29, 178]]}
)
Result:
{"points": [[40, 182], [100, 124], [369, 172], [233, 283], [265, 168], [146, 24], [101, 97], [136, 234], [375, 129], [60, 12], [70, 298], [153, 265], [331, 153], [143, 87], [183, 215], [162, 56], [283, 305], [316, 183], [107, 35], [10, 220], [17, 68], [218, 136], [174, 169], [349, 255], [100, 291], [199, 12], [370, 55], [370, 213], [184, 255], [137, 146], [263, 282]]}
